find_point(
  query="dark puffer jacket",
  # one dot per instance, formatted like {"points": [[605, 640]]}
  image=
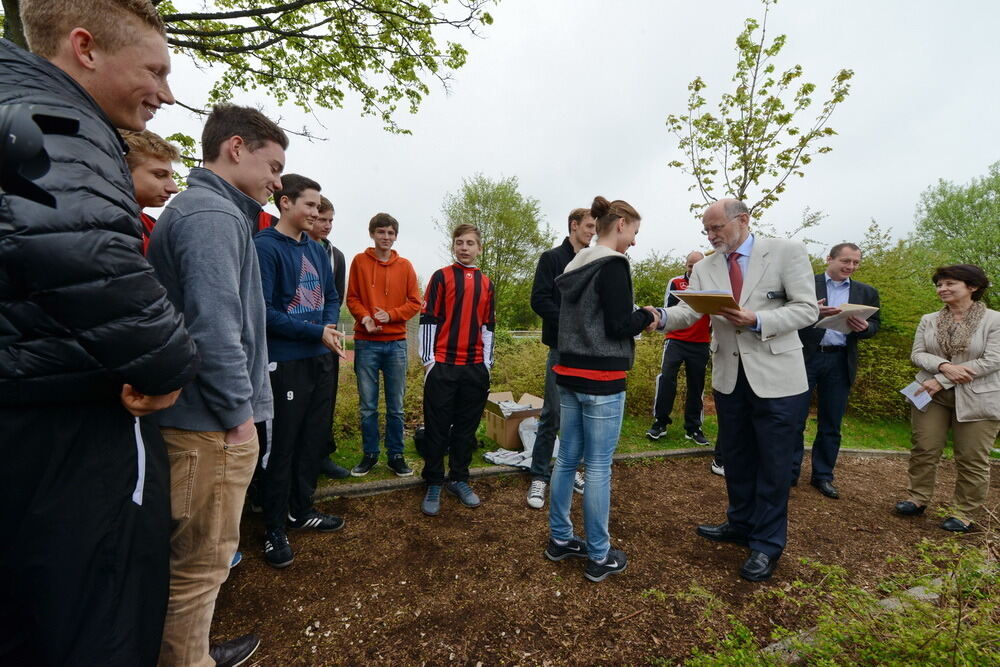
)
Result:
{"points": [[81, 311]]}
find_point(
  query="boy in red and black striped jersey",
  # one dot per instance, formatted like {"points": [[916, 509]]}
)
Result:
{"points": [[150, 158], [456, 349]]}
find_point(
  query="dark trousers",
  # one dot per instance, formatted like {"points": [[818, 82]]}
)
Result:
{"points": [[827, 372], [548, 423], [757, 438], [294, 440], [694, 357], [454, 398], [85, 508], [333, 406]]}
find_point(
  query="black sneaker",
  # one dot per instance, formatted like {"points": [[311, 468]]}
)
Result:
{"points": [[397, 464], [277, 550], [324, 523], [575, 548], [698, 437], [368, 462], [657, 430], [332, 470], [614, 564]]}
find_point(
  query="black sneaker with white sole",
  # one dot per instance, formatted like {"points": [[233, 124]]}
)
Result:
{"points": [[324, 523], [367, 462], [575, 548], [657, 430], [397, 464], [698, 437], [614, 564], [277, 550]]}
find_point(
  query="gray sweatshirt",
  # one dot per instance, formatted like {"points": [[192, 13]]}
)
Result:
{"points": [[202, 250]]}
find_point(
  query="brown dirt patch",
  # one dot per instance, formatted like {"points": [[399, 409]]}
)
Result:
{"points": [[472, 586]]}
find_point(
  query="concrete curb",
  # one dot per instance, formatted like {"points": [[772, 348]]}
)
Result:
{"points": [[398, 484]]}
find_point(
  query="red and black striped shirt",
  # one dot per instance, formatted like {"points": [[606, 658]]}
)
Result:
{"points": [[457, 319]]}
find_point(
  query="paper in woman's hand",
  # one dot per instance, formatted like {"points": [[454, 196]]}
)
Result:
{"points": [[920, 400]]}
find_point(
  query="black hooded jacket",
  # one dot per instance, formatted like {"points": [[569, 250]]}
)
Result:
{"points": [[81, 311]]}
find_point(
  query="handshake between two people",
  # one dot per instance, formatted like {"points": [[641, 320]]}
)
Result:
{"points": [[738, 317]]}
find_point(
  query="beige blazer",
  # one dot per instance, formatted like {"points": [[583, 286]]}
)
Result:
{"points": [[977, 400], [772, 357]]}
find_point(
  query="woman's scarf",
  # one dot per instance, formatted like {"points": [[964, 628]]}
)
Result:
{"points": [[953, 337]]}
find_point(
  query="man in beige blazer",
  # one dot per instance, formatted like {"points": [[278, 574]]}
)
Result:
{"points": [[758, 374]]}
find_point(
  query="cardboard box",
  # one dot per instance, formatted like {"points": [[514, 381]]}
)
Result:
{"points": [[504, 429]]}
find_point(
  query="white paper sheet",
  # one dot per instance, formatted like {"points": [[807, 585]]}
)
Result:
{"points": [[920, 400], [838, 322]]}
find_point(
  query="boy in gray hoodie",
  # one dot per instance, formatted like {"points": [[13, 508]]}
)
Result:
{"points": [[203, 253]]}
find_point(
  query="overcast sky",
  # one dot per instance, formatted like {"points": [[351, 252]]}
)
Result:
{"points": [[571, 96]]}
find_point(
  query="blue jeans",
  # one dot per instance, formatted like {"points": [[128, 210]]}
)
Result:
{"points": [[370, 357], [589, 429]]}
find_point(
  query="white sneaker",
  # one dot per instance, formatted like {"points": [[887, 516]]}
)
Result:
{"points": [[718, 468], [578, 482], [536, 494]]}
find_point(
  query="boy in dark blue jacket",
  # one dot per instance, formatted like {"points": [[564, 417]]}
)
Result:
{"points": [[302, 307]]}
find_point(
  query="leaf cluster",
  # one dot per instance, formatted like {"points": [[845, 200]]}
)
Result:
{"points": [[754, 141]]}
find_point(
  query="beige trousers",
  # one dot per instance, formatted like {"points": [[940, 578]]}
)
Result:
{"points": [[208, 483], [972, 441]]}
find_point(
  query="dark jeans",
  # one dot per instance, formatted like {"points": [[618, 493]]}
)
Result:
{"points": [[827, 372], [757, 438], [85, 506], [454, 398], [548, 423], [294, 441], [694, 357]]}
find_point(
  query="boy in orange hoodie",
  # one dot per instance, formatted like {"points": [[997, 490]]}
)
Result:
{"points": [[382, 294]]}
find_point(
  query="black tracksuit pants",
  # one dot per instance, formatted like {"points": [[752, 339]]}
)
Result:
{"points": [[85, 510], [454, 398], [294, 440], [333, 407]]}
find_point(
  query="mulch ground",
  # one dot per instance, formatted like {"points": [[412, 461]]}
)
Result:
{"points": [[472, 586]]}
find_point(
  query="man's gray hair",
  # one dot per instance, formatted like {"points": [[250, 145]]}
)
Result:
{"points": [[735, 207]]}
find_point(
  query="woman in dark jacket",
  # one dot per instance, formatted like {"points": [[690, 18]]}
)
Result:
{"points": [[597, 326]]}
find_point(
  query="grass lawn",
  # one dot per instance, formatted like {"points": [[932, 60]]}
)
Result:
{"points": [[857, 434]]}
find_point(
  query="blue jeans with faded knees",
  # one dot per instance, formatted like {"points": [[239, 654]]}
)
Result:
{"points": [[370, 357], [589, 430]]}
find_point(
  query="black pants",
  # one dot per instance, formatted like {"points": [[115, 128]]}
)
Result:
{"points": [[333, 407], [694, 357], [757, 437], [294, 441], [454, 398], [828, 374], [85, 510]]}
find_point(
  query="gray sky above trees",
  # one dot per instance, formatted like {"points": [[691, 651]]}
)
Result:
{"points": [[571, 97]]}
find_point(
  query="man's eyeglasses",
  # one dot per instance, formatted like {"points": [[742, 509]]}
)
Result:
{"points": [[715, 229]]}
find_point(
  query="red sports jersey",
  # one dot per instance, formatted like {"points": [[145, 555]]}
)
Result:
{"points": [[265, 220], [457, 319], [148, 222], [700, 331]]}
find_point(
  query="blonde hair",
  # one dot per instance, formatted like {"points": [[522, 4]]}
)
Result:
{"points": [[146, 144], [111, 22], [464, 229]]}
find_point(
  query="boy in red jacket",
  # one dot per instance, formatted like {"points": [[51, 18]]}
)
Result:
{"points": [[456, 348], [150, 158], [382, 294]]}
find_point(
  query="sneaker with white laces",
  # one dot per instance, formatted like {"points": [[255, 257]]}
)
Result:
{"points": [[277, 550], [324, 523], [536, 494], [575, 548], [464, 493], [578, 482], [698, 437], [615, 563], [718, 468]]}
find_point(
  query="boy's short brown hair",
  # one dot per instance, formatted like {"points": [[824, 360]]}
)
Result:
{"points": [[144, 145], [466, 228], [325, 205], [231, 120], [382, 220], [111, 22]]}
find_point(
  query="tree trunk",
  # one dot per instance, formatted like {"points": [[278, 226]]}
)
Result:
{"points": [[13, 30]]}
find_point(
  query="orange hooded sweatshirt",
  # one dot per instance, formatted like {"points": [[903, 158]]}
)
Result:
{"points": [[390, 285]]}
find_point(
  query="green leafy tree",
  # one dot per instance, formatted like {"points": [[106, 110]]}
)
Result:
{"points": [[650, 276], [754, 142], [316, 52], [514, 235], [962, 223]]}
